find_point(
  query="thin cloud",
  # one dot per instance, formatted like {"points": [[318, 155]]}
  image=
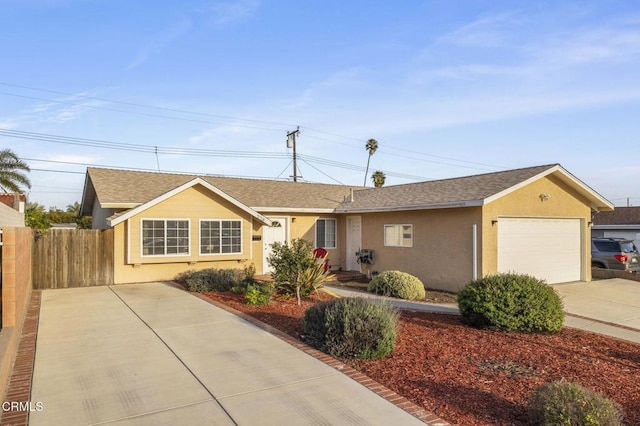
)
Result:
{"points": [[232, 12], [159, 41]]}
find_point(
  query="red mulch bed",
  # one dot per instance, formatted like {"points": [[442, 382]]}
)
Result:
{"points": [[479, 377]]}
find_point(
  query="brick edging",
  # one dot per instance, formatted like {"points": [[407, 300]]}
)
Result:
{"points": [[381, 390], [19, 389]]}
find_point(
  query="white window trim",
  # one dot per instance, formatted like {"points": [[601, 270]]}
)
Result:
{"points": [[220, 254], [388, 225], [188, 253], [315, 232]]}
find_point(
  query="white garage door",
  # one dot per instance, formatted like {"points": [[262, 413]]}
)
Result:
{"points": [[549, 249]]}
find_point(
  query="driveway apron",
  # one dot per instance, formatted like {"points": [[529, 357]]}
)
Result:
{"points": [[150, 354], [610, 307]]}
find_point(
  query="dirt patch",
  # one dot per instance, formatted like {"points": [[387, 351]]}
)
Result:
{"points": [[479, 377]]}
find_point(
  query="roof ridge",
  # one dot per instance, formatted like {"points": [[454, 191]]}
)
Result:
{"points": [[545, 166], [221, 176]]}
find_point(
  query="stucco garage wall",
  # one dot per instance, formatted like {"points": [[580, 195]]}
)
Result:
{"points": [[442, 252], [194, 203], [562, 202]]}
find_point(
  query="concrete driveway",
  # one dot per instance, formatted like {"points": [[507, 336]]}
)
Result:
{"points": [[610, 307], [151, 354]]}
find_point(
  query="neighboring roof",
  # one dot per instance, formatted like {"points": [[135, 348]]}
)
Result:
{"points": [[620, 216], [465, 191], [124, 189], [8, 198]]}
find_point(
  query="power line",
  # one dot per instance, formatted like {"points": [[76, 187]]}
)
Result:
{"points": [[182, 111], [413, 153], [140, 113], [187, 151]]}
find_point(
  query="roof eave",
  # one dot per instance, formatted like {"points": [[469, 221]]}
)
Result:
{"points": [[293, 210], [626, 226], [448, 205]]}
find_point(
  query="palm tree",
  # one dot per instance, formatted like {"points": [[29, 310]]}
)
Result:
{"points": [[372, 147], [12, 170], [378, 177]]}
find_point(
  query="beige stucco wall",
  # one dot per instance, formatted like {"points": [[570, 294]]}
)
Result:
{"points": [[303, 225], [563, 202], [198, 203], [192, 204], [442, 252]]}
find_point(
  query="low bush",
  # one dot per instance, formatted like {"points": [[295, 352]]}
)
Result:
{"points": [[511, 302], [565, 403], [214, 279], [351, 328], [397, 284], [295, 268], [259, 293]]}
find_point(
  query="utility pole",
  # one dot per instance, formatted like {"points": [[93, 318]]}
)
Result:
{"points": [[291, 143]]}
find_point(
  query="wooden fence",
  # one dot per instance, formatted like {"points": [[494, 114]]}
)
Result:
{"points": [[64, 258]]}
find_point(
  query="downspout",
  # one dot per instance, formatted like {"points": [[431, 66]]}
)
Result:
{"points": [[475, 251]]}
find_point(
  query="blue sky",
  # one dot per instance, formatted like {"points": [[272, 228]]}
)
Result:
{"points": [[448, 88]]}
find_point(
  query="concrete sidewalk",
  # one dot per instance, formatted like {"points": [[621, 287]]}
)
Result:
{"points": [[150, 354]]}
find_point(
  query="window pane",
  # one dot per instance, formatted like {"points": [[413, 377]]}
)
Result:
{"points": [[320, 226]]}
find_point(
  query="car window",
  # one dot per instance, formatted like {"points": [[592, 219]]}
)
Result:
{"points": [[609, 246], [628, 247]]}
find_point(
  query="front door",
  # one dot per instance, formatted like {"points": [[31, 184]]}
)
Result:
{"points": [[277, 232], [354, 241]]}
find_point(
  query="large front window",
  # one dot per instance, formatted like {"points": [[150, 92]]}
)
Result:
{"points": [[326, 233], [165, 237], [220, 236]]}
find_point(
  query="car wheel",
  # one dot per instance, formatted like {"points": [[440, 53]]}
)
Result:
{"points": [[597, 265]]}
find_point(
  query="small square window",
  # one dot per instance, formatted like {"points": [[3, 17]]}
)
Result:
{"points": [[398, 235]]}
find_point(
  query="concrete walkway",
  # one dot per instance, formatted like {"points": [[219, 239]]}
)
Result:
{"points": [[150, 354], [610, 307]]}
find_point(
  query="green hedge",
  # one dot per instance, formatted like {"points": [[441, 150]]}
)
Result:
{"points": [[215, 279], [511, 302]]}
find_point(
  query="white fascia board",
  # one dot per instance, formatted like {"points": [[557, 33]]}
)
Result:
{"points": [[597, 201], [292, 210], [196, 181], [461, 204]]}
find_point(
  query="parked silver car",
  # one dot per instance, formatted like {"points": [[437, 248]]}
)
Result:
{"points": [[614, 253]]}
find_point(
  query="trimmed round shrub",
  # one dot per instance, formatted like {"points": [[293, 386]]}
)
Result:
{"points": [[351, 328], [565, 403], [511, 302], [397, 284]]}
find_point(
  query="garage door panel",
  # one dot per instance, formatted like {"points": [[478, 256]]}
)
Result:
{"points": [[549, 249]]}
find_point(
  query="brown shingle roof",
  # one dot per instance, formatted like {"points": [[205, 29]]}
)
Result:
{"points": [[620, 216], [446, 191], [126, 188]]}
